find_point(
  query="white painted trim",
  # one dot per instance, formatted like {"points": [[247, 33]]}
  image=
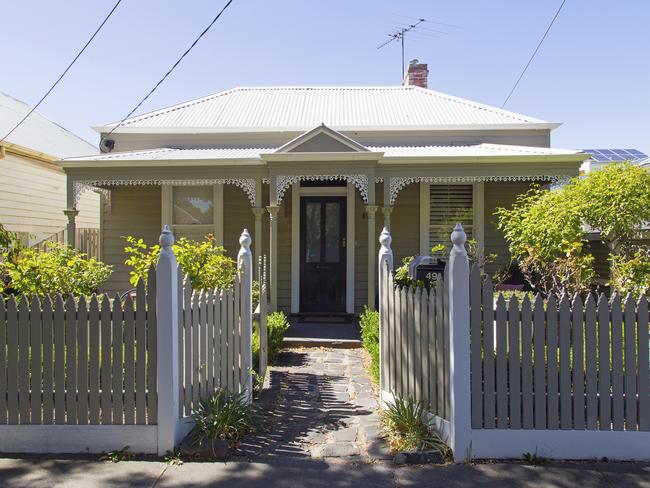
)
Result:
{"points": [[478, 226], [425, 209], [323, 191], [350, 246], [166, 211], [78, 438], [218, 215], [560, 444], [295, 248]]}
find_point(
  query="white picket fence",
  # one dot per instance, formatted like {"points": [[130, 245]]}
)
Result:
{"points": [[567, 380], [78, 362], [97, 375], [558, 365]]}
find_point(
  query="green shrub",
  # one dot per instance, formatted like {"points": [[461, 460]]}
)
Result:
{"points": [[10, 244], [224, 416], [59, 269], [405, 428], [369, 322], [631, 274], [203, 261], [276, 326]]}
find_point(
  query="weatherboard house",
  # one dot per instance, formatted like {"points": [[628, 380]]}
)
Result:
{"points": [[314, 173]]}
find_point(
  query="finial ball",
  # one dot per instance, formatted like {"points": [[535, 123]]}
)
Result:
{"points": [[385, 238], [245, 239], [458, 236], [166, 237]]}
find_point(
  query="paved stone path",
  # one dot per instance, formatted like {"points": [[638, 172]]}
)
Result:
{"points": [[320, 403]]}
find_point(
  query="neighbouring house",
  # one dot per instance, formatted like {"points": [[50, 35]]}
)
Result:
{"points": [[32, 185], [314, 173]]}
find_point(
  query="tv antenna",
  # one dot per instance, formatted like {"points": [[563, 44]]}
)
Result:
{"points": [[399, 36]]}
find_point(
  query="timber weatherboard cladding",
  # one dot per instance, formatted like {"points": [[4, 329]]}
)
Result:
{"points": [[135, 211], [32, 198]]}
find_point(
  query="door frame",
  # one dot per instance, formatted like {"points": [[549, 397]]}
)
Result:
{"points": [[328, 191]]}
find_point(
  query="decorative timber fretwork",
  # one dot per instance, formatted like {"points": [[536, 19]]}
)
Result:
{"points": [[396, 183], [360, 181], [103, 186]]}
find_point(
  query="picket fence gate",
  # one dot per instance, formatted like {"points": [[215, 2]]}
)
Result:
{"points": [[566, 379], [414, 350], [95, 374]]}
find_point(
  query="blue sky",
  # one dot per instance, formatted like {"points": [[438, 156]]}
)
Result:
{"points": [[592, 73]]}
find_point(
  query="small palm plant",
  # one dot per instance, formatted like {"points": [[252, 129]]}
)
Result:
{"points": [[224, 415], [405, 428]]}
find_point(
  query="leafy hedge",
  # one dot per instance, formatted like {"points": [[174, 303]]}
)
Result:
{"points": [[59, 269], [277, 326], [369, 322]]}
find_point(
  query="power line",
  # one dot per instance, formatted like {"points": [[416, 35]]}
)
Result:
{"points": [[534, 53], [64, 72], [178, 61]]}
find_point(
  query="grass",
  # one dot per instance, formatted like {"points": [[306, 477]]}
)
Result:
{"points": [[173, 458], [117, 455], [405, 427]]}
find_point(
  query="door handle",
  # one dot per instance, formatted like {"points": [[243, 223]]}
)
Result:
{"points": [[344, 242]]}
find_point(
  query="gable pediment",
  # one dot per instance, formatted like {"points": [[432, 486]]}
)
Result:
{"points": [[322, 139]]}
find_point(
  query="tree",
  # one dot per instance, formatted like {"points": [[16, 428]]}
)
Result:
{"points": [[616, 201], [545, 230]]}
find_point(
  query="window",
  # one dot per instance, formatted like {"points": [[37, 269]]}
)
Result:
{"points": [[449, 204], [193, 205]]}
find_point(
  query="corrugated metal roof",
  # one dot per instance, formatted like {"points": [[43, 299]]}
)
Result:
{"points": [[472, 150], [484, 149], [341, 108], [38, 133]]}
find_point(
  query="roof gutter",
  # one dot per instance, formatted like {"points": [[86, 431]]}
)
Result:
{"points": [[533, 158], [320, 157], [8, 147]]}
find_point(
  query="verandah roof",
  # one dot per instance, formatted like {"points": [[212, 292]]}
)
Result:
{"points": [[232, 154]]}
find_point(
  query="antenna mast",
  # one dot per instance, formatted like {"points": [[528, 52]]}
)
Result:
{"points": [[399, 36]]}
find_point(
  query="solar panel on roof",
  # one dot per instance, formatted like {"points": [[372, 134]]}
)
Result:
{"points": [[615, 155]]}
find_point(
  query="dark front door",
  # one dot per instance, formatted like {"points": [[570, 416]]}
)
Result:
{"points": [[322, 254]]}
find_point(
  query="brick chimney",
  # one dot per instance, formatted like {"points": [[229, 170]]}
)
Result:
{"points": [[416, 74]]}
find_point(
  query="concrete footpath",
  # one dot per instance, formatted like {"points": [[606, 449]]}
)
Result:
{"points": [[304, 472]]}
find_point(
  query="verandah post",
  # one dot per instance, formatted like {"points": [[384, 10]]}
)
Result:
{"points": [[459, 353], [169, 431], [245, 269], [385, 267]]}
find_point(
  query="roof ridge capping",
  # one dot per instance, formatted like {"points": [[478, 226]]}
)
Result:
{"points": [[450, 111]]}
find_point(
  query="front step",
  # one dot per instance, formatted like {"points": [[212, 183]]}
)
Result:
{"points": [[294, 342]]}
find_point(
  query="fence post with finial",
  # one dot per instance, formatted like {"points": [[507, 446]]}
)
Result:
{"points": [[385, 268], [245, 270], [169, 431], [459, 346]]}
